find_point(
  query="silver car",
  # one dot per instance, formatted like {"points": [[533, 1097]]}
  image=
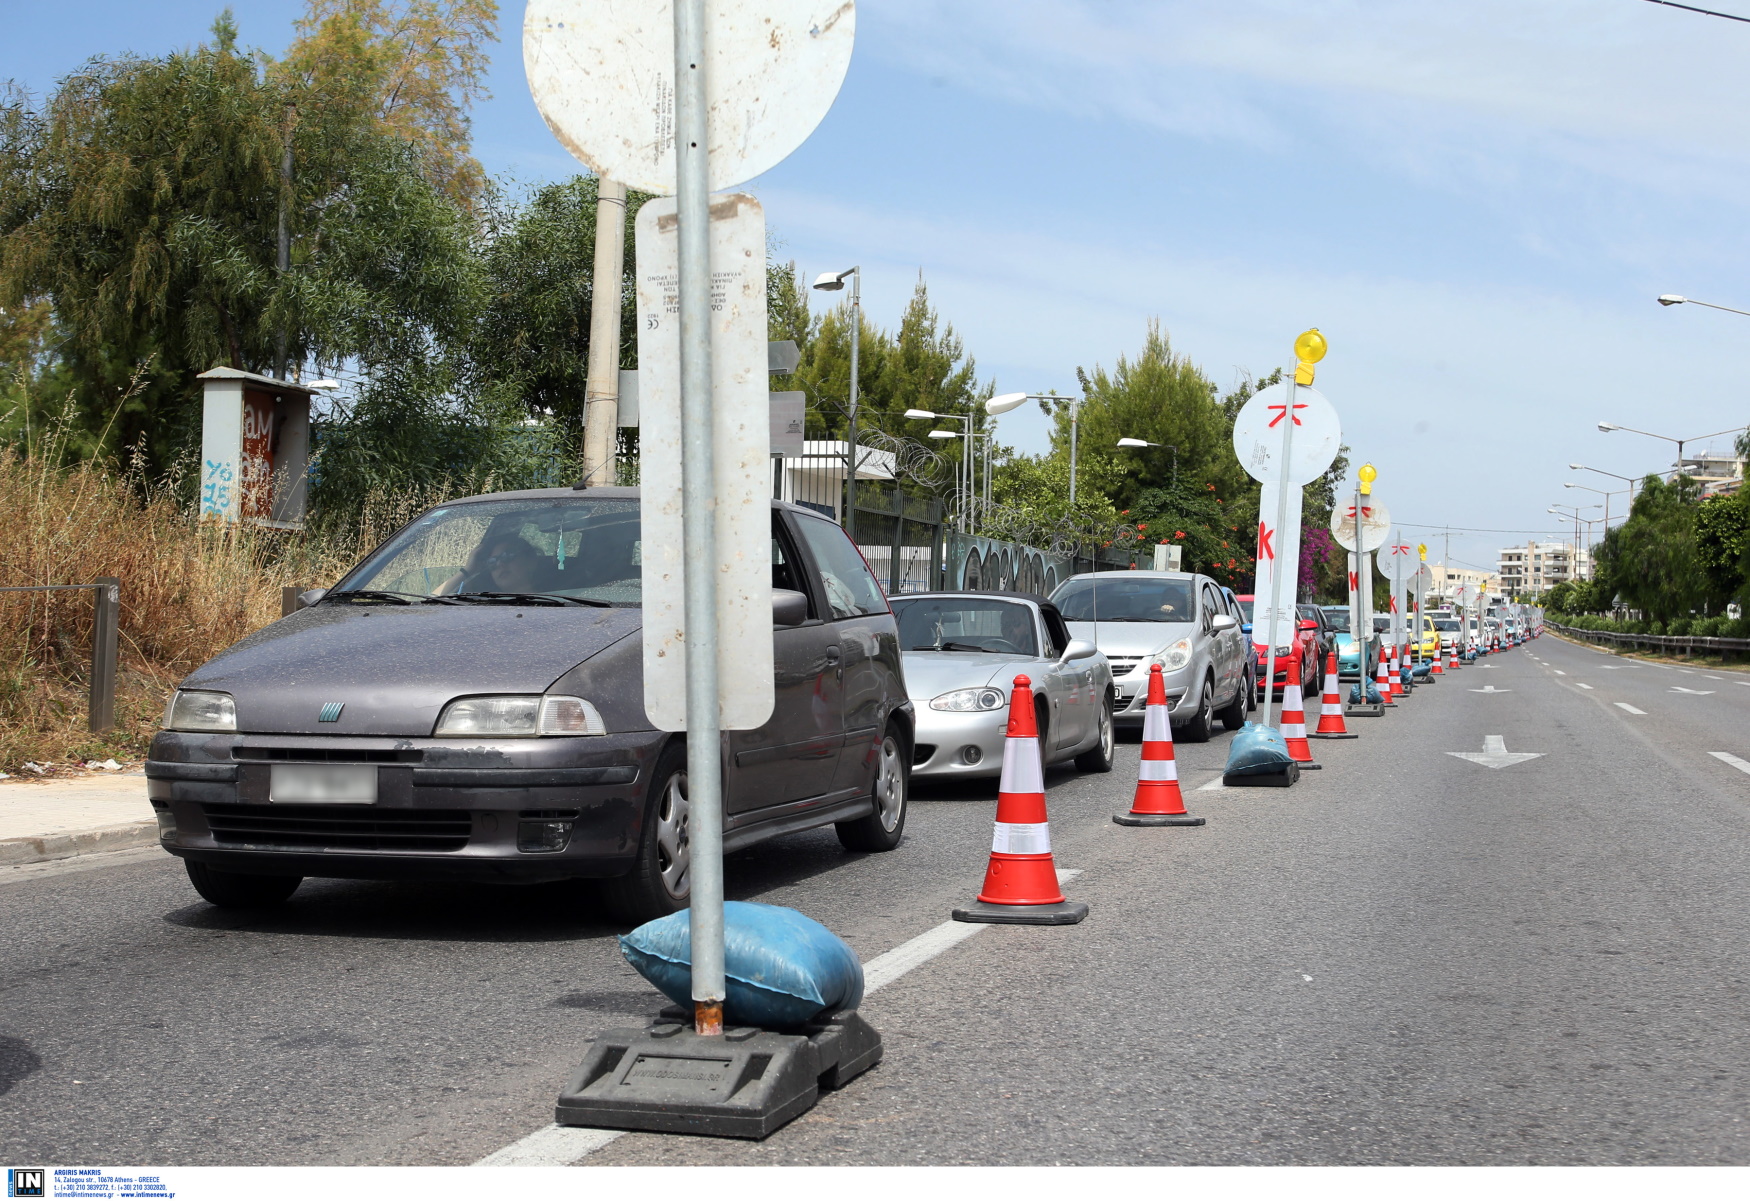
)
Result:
{"points": [[962, 652], [1180, 620]]}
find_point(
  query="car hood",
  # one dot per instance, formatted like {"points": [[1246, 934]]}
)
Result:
{"points": [[394, 668], [929, 674], [1131, 637]]}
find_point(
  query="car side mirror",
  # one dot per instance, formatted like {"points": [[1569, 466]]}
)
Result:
{"points": [[1224, 621], [1079, 648], [310, 596], [788, 608]]}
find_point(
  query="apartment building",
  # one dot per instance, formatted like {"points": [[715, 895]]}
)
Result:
{"points": [[1447, 581], [1536, 567]]}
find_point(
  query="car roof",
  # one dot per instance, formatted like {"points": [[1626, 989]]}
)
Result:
{"points": [[1133, 574], [591, 494], [1025, 597]]}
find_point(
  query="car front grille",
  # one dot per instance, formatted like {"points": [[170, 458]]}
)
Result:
{"points": [[336, 828], [921, 753], [319, 754], [1123, 665]]}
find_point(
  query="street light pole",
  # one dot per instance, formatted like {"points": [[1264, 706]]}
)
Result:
{"points": [[1606, 427], [833, 282]]}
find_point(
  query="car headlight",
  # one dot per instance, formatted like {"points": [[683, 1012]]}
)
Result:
{"points": [[519, 717], [1175, 656], [970, 700], [201, 712]]}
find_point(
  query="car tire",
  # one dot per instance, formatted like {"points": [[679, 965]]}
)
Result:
{"points": [[1100, 756], [660, 882], [239, 890], [1234, 715], [884, 827], [1202, 722]]}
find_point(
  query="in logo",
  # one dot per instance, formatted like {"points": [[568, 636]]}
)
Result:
{"points": [[331, 711], [25, 1182]]}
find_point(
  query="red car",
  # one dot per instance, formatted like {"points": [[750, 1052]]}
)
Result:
{"points": [[1305, 641]]}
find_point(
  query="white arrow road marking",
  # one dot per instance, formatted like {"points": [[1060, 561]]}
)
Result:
{"points": [[1694, 691], [1495, 753], [1491, 688], [1736, 762], [1587, 687], [1631, 709], [556, 1146]]}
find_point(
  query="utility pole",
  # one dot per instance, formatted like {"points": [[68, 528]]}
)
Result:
{"points": [[601, 403], [283, 249]]}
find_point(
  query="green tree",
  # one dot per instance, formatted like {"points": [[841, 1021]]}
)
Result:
{"points": [[1722, 543], [1651, 560]]}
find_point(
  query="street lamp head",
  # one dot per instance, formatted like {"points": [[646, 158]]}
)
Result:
{"points": [[832, 281], [1133, 442], [920, 415], [1670, 299], [1570, 484], [944, 433], [1575, 467], [324, 385], [1604, 427], [998, 405]]}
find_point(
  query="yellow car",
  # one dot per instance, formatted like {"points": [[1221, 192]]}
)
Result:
{"points": [[1429, 647]]}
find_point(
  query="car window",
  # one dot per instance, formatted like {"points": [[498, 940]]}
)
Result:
{"points": [[1056, 631], [1211, 604], [587, 549], [851, 590], [1147, 599], [966, 623]]}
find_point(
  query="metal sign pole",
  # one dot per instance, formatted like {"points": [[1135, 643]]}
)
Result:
{"points": [[1357, 605], [699, 517], [1288, 420]]}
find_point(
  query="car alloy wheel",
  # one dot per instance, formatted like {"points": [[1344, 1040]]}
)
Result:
{"points": [[889, 785], [674, 855]]}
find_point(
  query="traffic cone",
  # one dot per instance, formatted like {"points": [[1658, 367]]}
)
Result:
{"points": [[1020, 885], [1294, 718], [1331, 705], [1436, 670], [1397, 675], [1382, 681], [1158, 800], [1452, 657]]}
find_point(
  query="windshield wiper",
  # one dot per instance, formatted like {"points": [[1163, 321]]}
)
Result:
{"points": [[962, 646], [1103, 620], [388, 597], [534, 598]]}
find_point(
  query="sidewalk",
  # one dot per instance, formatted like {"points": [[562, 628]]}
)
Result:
{"points": [[57, 819]]}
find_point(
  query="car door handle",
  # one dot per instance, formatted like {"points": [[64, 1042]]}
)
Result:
{"points": [[832, 654]]}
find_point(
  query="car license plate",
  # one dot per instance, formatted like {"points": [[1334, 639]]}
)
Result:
{"points": [[323, 784]]}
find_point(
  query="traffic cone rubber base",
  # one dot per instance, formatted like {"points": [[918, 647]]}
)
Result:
{"points": [[1156, 819], [1066, 913], [1315, 734]]}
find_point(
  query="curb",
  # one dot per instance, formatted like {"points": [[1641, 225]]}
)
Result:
{"points": [[15, 851]]}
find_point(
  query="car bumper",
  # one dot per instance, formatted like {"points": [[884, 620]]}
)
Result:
{"points": [[444, 809], [1130, 696], [966, 745]]}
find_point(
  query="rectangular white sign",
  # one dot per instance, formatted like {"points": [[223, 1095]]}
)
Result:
{"points": [[742, 417], [1277, 550]]}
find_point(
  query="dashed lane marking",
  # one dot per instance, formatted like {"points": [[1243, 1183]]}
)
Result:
{"points": [[1628, 708], [1587, 687], [1726, 757], [557, 1146]]}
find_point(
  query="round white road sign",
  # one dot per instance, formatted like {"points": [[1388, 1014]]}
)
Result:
{"points": [[1258, 434], [602, 74], [1375, 524]]}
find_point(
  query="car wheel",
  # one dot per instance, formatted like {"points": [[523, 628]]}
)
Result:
{"points": [[883, 828], [660, 882], [1099, 757], [1199, 727], [1234, 715], [239, 890]]}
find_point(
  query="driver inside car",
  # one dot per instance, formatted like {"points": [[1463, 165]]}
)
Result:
{"points": [[506, 563]]}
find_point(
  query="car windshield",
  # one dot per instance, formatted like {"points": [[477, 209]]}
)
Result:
{"points": [[1446, 625], [965, 624], [1381, 623], [1116, 599], [1338, 620], [550, 551]]}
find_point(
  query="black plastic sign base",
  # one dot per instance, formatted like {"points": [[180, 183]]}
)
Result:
{"points": [[1270, 779], [744, 1083], [1333, 735], [1305, 766], [1156, 819], [1068, 913]]}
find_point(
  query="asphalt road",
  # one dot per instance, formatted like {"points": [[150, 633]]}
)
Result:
{"points": [[1407, 958]]}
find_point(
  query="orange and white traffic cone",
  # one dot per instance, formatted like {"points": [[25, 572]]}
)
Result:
{"points": [[1158, 800], [1382, 680], [1331, 706], [1020, 885], [1294, 718], [1397, 675], [1452, 657], [1436, 670]]}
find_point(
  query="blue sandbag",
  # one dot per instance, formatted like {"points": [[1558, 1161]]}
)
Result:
{"points": [[780, 967], [1256, 750], [1372, 694]]}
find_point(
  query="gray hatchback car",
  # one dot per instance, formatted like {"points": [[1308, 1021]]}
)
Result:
{"points": [[468, 703]]}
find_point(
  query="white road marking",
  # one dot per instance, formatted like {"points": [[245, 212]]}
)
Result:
{"points": [[1713, 678], [1610, 667], [1559, 672], [1736, 762], [1587, 687], [1491, 688], [557, 1146], [1627, 708], [1694, 691], [1495, 753]]}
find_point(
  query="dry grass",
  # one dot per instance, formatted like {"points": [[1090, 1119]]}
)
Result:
{"points": [[188, 590]]}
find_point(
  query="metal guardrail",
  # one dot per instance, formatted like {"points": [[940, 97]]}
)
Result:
{"points": [[106, 606], [1686, 642]]}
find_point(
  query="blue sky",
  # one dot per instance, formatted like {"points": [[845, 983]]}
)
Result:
{"points": [[1477, 203]]}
